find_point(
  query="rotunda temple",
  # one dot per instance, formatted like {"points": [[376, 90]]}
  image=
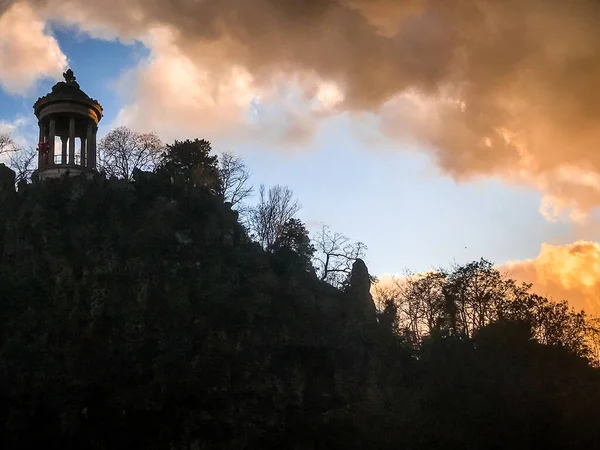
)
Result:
{"points": [[68, 123]]}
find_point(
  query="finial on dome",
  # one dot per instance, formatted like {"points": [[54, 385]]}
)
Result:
{"points": [[70, 77]]}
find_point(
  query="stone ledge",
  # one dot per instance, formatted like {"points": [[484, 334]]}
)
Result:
{"points": [[60, 170]]}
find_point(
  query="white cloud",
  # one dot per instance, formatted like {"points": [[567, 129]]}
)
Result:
{"points": [[27, 51], [22, 130]]}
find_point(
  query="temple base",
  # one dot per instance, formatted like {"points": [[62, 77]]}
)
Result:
{"points": [[62, 170]]}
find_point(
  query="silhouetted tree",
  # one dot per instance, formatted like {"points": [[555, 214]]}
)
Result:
{"points": [[467, 298], [334, 255], [593, 340], [22, 161], [274, 209], [122, 151], [191, 163], [473, 294], [553, 323], [7, 144], [293, 239], [234, 177]]}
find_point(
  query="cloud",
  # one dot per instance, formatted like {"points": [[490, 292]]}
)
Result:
{"points": [[27, 51], [21, 130], [570, 272], [14, 135], [175, 95], [171, 93], [503, 89]]}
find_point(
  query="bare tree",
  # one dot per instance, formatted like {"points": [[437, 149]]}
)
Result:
{"points": [[335, 254], [418, 301], [234, 179], [22, 162], [122, 151], [7, 144], [275, 207]]}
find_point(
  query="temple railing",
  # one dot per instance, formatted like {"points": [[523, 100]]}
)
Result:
{"points": [[58, 160]]}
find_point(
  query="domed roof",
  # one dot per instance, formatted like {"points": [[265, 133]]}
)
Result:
{"points": [[67, 91]]}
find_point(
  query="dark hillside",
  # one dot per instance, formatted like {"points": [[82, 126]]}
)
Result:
{"points": [[139, 314]]}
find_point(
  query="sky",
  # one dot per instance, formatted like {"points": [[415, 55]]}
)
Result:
{"points": [[433, 131]]}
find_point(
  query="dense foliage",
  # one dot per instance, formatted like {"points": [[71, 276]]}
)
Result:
{"points": [[139, 314]]}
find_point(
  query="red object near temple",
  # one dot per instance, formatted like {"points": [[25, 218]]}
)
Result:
{"points": [[43, 147]]}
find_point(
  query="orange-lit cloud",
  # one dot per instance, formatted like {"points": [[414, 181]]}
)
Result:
{"points": [[27, 51], [570, 272], [502, 89]]}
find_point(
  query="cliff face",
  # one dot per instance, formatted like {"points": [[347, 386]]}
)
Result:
{"points": [[146, 303]]}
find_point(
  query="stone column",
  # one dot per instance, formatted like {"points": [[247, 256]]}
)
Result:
{"points": [[90, 160], [51, 141], [91, 145], [63, 158], [72, 140], [94, 150], [82, 158], [41, 139]]}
